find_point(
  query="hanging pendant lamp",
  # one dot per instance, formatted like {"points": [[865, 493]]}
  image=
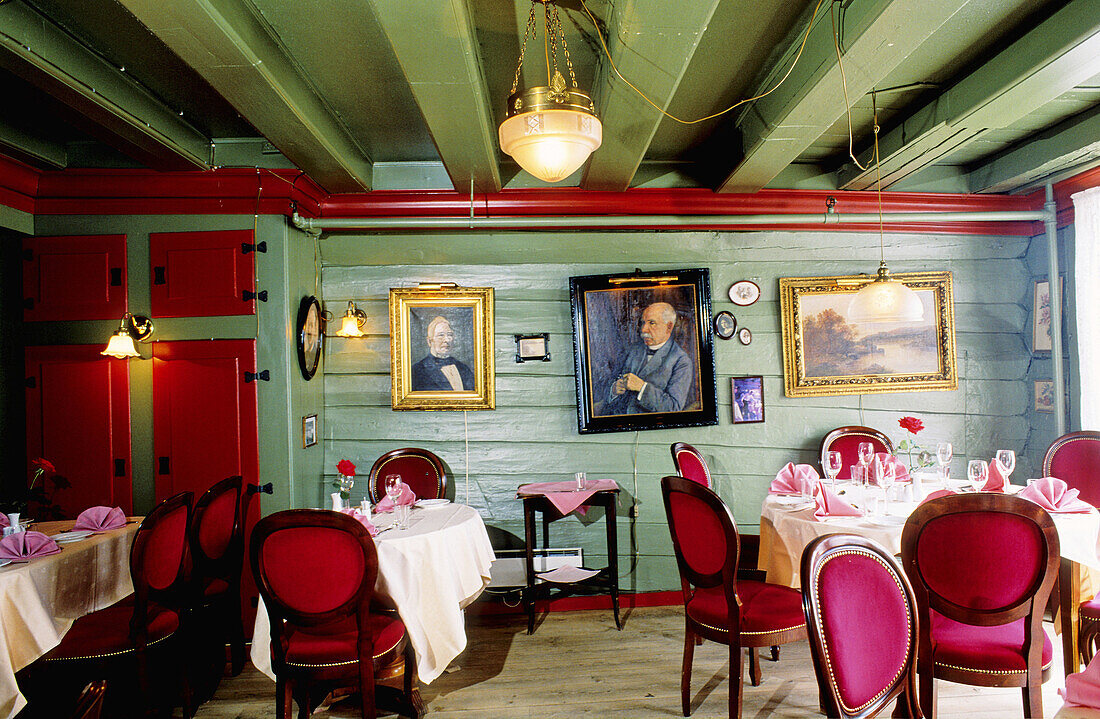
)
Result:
{"points": [[549, 130]]}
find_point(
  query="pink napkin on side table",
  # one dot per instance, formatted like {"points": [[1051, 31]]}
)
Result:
{"points": [[1054, 495], [791, 478], [828, 504], [101, 519], [1083, 688], [363, 519], [407, 497], [564, 495], [901, 472], [997, 480], [27, 545]]}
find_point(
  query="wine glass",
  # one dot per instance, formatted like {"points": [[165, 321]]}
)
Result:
{"points": [[393, 491], [866, 453], [977, 471], [1007, 459], [886, 476], [833, 464], [943, 456]]}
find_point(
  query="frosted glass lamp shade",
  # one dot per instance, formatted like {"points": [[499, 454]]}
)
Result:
{"points": [[349, 327], [121, 345], [550, 134], [885, 301]]}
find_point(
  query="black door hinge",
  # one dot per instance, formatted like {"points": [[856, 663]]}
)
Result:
{"points": [[162, 465], [30, 382], [247, 295], [158, 275], [120, 467], [116, 277], [247, 247], [265, 375]]}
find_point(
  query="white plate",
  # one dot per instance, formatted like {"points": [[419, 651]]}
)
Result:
{"points": [[792, 500], [432, 502], [887, 521], [4, 562], [73, 536]]}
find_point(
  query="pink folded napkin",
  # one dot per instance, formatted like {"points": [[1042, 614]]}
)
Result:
{"points": [[791, 478], [363, 519], [1083, 688], [407, 497], [901, 472], [24, 546], [937, 494], [997, 479], [1054, 495], [828, 504], [564, 495], [4, 521], [100, 519]]}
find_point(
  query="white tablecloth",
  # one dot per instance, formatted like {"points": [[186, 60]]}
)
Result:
{"points": [[784, 534], [430, 572], [40, 600]]}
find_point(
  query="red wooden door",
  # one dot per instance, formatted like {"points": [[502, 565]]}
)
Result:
{"points": [[74, 278], [200, 274], [78, 417]]}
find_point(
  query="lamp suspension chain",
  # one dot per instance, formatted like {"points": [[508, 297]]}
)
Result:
{"points": [[523, 47], [878, 178]]}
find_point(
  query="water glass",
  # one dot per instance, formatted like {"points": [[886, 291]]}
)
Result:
{"points": [[943, 456], [393, 486], [581, 480], [977, 471], [1007, 459], [866, 452], [886, 481], [833, 464]]}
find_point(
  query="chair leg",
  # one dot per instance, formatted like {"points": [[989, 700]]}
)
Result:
{"points": [[755, 675], [775, 653], [412, 684], [302, 697], [282, 698], [236, 636], [685, 672], [737, 682], [1033, 701], [366, 689]]}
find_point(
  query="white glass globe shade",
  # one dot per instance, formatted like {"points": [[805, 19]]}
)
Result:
{"points": [[551, 144]]}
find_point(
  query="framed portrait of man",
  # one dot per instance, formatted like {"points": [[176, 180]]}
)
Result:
{"points": [[442, 347], [643, 351]]}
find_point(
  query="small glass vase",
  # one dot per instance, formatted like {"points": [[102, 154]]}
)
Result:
{"points": [[346, 482]]}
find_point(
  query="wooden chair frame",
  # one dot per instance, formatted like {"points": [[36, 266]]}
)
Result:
{"points": [[680, 447], [374, 489], [1030, 606], [852, 429], [903, 688]]}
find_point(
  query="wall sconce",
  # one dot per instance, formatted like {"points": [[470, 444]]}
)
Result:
{"points": [[352, 323], [132, 327]]}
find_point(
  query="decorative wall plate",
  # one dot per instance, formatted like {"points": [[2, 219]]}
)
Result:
{"points": [[744, 293]]}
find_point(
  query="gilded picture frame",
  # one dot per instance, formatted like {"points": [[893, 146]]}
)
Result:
{"points": [[824, 354], [442, 348]]}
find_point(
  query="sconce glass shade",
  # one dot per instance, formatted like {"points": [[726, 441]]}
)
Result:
{"points": [[885, 300], [351, 325], [550, 134], [121, 345]]}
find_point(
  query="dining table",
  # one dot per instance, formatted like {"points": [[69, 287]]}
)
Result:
{"points": [[41, 598], [788, 525], [430, 572]]}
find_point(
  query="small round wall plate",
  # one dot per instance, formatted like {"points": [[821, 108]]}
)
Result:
{"points": [[744, 293], [744, 335], [725, 324]]}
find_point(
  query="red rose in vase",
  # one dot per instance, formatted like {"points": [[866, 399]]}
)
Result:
{"points": [[345, 467], [911, 424]]}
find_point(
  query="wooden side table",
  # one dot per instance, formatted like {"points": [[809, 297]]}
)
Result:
{"points": [[606, 580]]}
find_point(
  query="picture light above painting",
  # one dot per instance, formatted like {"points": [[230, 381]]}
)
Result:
{"points": [[643, 351], [826, 354]]}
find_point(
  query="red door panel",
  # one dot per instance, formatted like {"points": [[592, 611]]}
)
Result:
{"points": [[199, 274], [78, 417], [74, 278]]}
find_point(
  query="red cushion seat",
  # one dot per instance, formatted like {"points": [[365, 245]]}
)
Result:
{"points": [[1091, 609], [765, 608], [107, 632], [994, 650], [336, 645], [214, 587]]}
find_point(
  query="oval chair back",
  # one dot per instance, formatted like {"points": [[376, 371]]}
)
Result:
{"points": [[1075, 459], [158, 555], [420, 469], [862, 619], [846, 440], [689, 463]]}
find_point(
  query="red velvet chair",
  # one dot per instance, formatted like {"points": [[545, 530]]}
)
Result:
{"points": [[717, 606], [846, 440], [1075, 458], [90, 703], [419, 468], [690, 463], [316, 572], [862, 619], [122, 638], [982, 567], [216, 539]]}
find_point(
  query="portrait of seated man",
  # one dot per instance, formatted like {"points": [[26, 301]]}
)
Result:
{"points": [[656, 374], [438, 371]]}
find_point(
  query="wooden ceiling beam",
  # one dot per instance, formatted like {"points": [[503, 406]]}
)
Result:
{"points": [[877, 36], [653, 48], [32, 148], [1052, 58], [447, 83], [232, 49]]}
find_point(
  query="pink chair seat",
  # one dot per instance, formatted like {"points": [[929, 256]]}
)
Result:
{"points": [[765, 608], [215, 587], [996, 649], [1091, 609], [326, 646], [107, 632]]}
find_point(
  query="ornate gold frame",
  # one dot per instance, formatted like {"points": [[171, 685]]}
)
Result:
{"points": [[445, 299], [797, 384]]}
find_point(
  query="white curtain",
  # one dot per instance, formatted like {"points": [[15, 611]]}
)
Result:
{"points": [[1086, 274]]}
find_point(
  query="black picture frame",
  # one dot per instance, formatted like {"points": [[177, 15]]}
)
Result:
{"points": [[607, 312], [747, 399], [309, 336], [309, 431], [725, 325], [532, 347]]}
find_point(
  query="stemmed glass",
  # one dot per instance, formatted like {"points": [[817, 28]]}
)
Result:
{"points": [[1007, 459], [943, 456], [834, 462], [866, 453], [886, 476], [393, 491], [977, 471]]}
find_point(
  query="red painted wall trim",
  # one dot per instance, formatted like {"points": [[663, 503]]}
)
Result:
{"points": [[18, 185]]}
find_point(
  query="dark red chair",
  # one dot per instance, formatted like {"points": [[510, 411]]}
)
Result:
{"points": [[862, 620], [982, 567], [846, 440], [316, 572], [1075, 459], [717, 606], [121, 639], [419, 468], [690, 463], [216, 540], [90, 703]]}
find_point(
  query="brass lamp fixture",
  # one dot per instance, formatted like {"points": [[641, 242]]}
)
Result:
{"points": [[352, 323], [550, 130], [131, 328]]}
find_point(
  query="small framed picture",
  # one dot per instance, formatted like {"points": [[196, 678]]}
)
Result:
{"points": [[744, 293], [533, 348], [1044, 395], [744, 335], [1040, 328], [309, 430], [748, 399], [725, 324]]}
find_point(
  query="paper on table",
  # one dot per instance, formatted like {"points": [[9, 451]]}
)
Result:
{"points": [[568, 574]]}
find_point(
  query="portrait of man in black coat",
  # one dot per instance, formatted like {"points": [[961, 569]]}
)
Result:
{"points": [[438, 371]]}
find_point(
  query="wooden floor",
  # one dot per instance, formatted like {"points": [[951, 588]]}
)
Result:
{"points": [[577, 665]]}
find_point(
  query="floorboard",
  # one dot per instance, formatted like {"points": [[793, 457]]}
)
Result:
{"points": [[577, 665]]}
